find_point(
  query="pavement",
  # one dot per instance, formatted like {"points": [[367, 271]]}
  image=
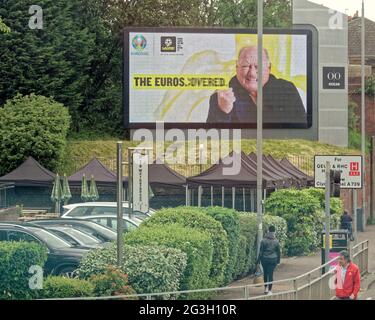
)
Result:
{"points": [[295, 266]]}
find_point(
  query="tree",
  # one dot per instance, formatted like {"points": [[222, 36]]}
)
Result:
{"points": [[32, 126], [55, 61], [243, 13]]}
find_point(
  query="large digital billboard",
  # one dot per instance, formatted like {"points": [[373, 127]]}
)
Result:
{"points": [[190, 78]]}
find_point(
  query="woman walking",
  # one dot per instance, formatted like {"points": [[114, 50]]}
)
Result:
{"points": [[269, 257]]}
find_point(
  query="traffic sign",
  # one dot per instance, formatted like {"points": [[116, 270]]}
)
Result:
{"points": [[349, 166]]}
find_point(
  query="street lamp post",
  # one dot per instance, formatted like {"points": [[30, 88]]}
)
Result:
{"points": [[363, 113], [260, 126]]}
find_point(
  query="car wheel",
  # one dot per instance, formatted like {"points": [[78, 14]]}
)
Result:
{"points": [[68, 272]]}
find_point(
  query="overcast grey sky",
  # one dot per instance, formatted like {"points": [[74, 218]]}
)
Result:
{"points": [[350, 6]]}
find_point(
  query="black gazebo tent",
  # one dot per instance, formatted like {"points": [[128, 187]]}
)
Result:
{"points": [[29, 174], [32, 185], [102, 175], [216, 176]]}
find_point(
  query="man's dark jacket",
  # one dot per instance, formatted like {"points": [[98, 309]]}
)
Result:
{"points": [[269, 249], [281, 104]]}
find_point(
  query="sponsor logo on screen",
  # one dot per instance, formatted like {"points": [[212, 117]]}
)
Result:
{"points": [[168, 44], [139, 44], [171, 45]]}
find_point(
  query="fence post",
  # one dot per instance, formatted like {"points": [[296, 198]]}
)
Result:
{"points": [[246, 293], [310, 288], [295, 286]]}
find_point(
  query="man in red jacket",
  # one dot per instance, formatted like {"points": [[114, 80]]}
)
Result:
{"points": [[348, 278]]}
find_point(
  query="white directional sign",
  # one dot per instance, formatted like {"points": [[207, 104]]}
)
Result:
{"points": [[140, 182], [350, 167]]}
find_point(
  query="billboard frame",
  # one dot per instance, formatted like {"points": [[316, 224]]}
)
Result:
{"points": [[203, 125]]}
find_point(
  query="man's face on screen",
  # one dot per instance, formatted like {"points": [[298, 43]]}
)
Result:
{"points": [[247, 69]]}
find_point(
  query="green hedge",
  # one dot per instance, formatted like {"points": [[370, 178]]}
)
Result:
{"points": [[230, 221], [240, 266], [15, 260], [57, 287], [336, 205], [196, 244], [302, 212], [248, 229], [193, 217], [149, 268]]}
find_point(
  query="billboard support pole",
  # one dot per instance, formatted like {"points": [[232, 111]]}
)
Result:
{"points": [[260, 126], [363, 114], [328, 214]]}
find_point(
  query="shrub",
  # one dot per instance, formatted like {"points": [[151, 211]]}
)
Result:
{"points": [[193, 217], [302, 213], [336, 205], [230, 221], [249, 229], [150, 269], [111, 283], [32, 126], [57, 287], [15, 260], [196, 244], [240, 266]]}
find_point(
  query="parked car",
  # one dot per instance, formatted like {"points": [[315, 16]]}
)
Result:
{"points": [[63, 258], [78, 210], [75, 237], [110, 221], [99, 231]]}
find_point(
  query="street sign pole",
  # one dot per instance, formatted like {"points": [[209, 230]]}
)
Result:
{"points": [[355, 227], [328, 213], [363, 113], [260, 125]]}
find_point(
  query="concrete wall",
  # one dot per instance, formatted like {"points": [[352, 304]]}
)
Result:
{"points": [[333, 51]]}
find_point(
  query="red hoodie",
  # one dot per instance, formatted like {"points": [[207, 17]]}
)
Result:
{"points": [[352, 282]]}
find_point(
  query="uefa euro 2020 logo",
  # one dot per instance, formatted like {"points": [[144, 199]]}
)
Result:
{"points": [[139, 42]]}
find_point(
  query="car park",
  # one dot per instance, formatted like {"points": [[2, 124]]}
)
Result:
{"points": [[63, 258]]}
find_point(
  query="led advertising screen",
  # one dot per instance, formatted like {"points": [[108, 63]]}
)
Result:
{"points": [[190, 78]]}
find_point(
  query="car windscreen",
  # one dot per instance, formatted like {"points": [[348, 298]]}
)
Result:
{"points": [[95, 229], [50, 239], [83, 211], [84, 238], [65, 236]]}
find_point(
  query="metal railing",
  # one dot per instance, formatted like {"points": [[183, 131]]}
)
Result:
{"points": [[313, 285]]}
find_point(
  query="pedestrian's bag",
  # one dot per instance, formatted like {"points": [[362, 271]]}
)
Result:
{"points": [[258, 277]]}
